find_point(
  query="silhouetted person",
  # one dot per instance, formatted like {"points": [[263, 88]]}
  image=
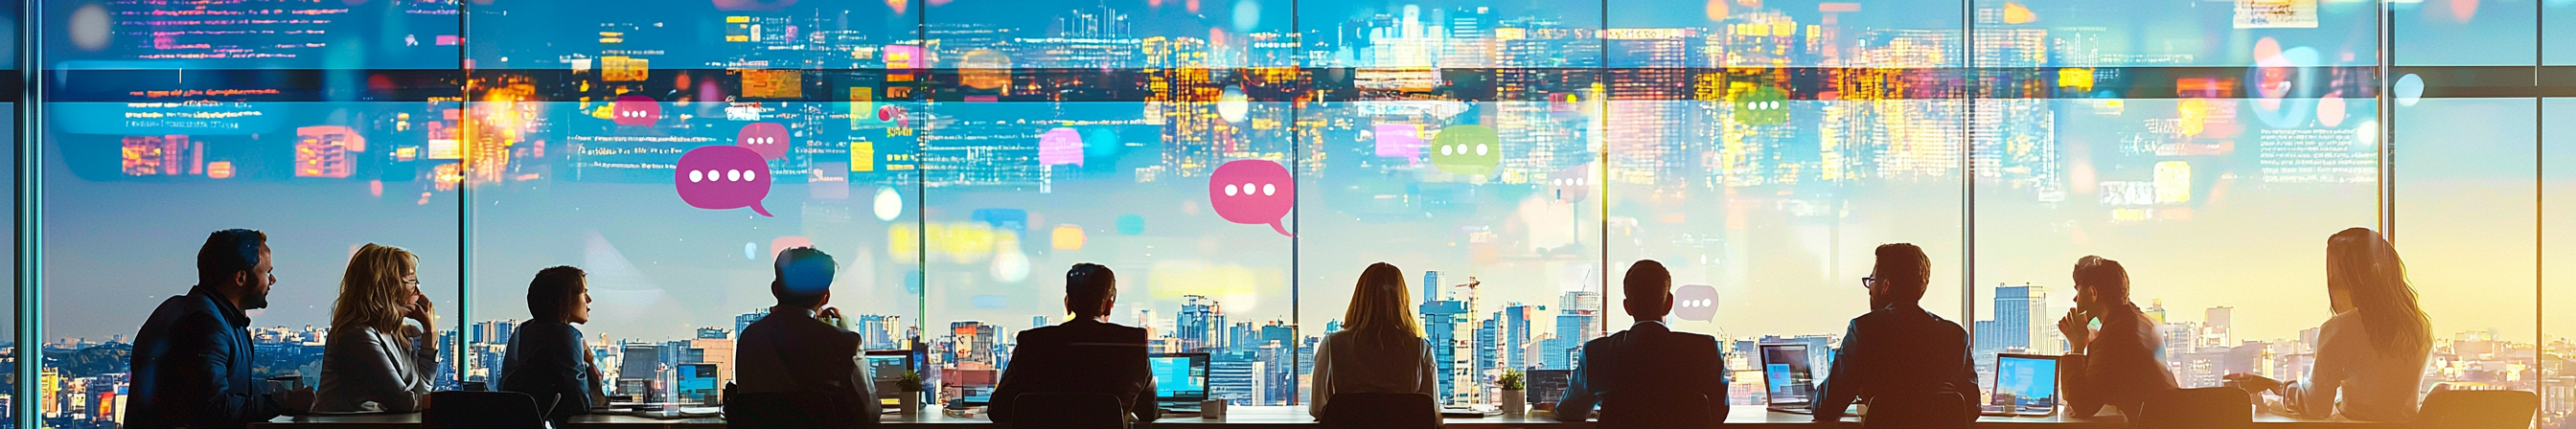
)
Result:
{"points": [[1380, 348], [2373, 351], [192, 358], [548, 358], [373, 361], [2116, 365], [793, 350], [1084, 355], [1898, 350], [1648, 360]]}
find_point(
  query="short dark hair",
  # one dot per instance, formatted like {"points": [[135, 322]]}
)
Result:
{"points": [[1647, 278], [2105, 276], [804, 276], [227, 252], [1904, 267], [553, 293], [1087, 285]]}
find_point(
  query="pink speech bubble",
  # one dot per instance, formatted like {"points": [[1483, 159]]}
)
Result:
{"points": [[1253, 191], [636, 110], [723, 178], [1695, 302], [1059, 147], [767, 138], [1399, 140]]}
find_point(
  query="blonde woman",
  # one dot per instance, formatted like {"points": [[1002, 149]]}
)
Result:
{"points": [[2371, 353], [372, 361], [1380, 348]]}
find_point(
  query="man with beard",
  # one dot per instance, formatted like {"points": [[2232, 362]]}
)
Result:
{"points": [[192, 359]]}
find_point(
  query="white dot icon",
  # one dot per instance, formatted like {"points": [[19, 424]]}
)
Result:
{"points": [[695, 176], [747, 174], [1229, 190], [1247, 188], [1268, 189], [1444, 150], [1480, 149], [733, 175]]}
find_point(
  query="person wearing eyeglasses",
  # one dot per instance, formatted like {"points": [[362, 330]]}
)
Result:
{"points": [[373, 361], [1899, 352]]}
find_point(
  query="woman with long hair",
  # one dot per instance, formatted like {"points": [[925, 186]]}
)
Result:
{"points": [[1380, 348], [547, 357], [373, 361], [2373, 350]]}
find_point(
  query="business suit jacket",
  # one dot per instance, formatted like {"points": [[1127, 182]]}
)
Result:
{"points": [[1648, 360], [2119, 367], [192, 362], [547, 360], [1079, 356], [362, 366], [1898, 352], [789, 351]]}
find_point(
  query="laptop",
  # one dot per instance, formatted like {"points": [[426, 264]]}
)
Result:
{"points": [[696, 383], [1180, 381], [889, 366], [1789, 378], [2025, 386]]}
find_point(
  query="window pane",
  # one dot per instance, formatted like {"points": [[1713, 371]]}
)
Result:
{"points": [[2465, 223]]}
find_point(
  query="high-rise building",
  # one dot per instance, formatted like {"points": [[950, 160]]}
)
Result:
{"points": [[1515, 334], [1578, 319], [1441, 322], [744, 321], [2216, 331], [1201, 323], [975, 342]]}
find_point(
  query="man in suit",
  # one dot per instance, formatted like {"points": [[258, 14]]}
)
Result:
{"points": [[1648, 363], [1898, 352], [1084, 355], [794, 352], [2117, 365], [192, 359]]}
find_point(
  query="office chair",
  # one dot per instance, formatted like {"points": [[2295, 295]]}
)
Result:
{"points": [[798, 410], [1937, 410], [2478, 409], [2208, 407], [1659, 410], [458, 409], [1067, 411], [1381, 411]]}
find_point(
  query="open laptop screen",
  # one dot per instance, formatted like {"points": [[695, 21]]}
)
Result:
{"points": [[2024, 384], [1180, 377], [1787, 375]]}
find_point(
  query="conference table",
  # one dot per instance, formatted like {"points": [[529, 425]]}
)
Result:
{"points": [[1288, 417]]}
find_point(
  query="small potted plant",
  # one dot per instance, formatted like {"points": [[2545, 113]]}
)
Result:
{"points": [[1515, 393], [910, 402]]}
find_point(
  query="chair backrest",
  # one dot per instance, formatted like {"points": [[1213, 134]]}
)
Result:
{"points": [[458, 409], [1067, 411], [1381, 411], [1658, 410], [798, 410], [2478, 409], [1937, 410], [2208, 407]]}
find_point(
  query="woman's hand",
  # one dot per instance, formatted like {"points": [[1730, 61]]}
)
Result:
{"points": [[2254, 383], [420, 309]]}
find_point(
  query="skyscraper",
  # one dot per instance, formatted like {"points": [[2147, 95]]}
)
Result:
{"points": [[1440, 324], [1199, 325]]}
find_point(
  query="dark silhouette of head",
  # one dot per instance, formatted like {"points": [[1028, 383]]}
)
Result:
{"points": [[1900, 275], [560, 294], [235, 264], [804, 278], [1090, 290], [1650, 290], [2100, 283]]}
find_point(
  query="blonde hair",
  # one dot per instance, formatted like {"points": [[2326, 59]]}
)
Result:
{"points": [[1377, 312], [372, 292], [2365, 266]]}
